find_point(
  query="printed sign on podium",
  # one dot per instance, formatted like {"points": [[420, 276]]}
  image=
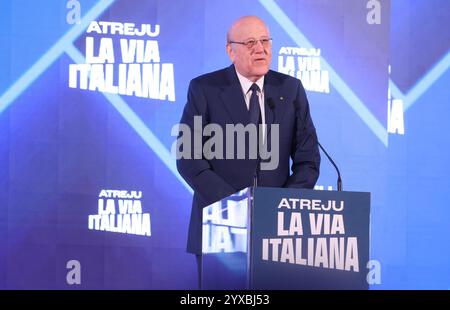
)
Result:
{"points": [[283, 238]]}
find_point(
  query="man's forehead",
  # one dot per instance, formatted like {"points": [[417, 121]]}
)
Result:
{"points": [[249, 27]]}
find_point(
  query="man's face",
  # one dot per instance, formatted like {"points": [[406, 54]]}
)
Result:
{"points": [[252, 63]]}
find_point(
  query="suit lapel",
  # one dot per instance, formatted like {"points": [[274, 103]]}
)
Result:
{"points": [[233, 99], [272, 90]]}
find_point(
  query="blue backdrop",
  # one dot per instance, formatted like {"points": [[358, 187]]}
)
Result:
{"points": [[380, 105]]}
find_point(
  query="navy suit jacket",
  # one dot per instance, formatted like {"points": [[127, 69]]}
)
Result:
{"points": [[217, 97]]}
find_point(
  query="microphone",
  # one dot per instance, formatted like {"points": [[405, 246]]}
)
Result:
{"points": [[339, 180], [271, 105]]}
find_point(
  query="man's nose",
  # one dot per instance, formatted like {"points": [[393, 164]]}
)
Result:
{"points": [[258, 47]]}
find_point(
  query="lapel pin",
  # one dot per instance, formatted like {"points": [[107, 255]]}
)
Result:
{"points": [[281, 98]]}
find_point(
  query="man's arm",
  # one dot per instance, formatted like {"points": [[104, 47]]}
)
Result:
{"points": [[305, 152], [197, 172]]}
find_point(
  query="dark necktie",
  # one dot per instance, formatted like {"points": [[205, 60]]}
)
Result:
{"points": [[254, 110], [255, 118]]}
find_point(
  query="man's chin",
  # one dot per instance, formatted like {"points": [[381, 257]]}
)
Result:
{"points": [[261, 71]]}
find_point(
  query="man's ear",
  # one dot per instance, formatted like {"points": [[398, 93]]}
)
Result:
{"points": [[230, 52]]}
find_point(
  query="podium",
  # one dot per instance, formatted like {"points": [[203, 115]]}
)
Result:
{"points": [[286, 238]]}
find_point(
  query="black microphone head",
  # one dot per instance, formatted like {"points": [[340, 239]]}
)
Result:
{"points": [[296, 104], [270, 103]]}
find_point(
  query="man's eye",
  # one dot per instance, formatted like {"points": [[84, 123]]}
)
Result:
{"points": [[251, 42]]}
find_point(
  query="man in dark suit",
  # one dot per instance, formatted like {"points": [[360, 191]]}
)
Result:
{"points": [[247, 92]]}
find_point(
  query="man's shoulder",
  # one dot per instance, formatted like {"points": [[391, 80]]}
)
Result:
{"points": [[215, 78], [281, 78], [223, 76]]}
